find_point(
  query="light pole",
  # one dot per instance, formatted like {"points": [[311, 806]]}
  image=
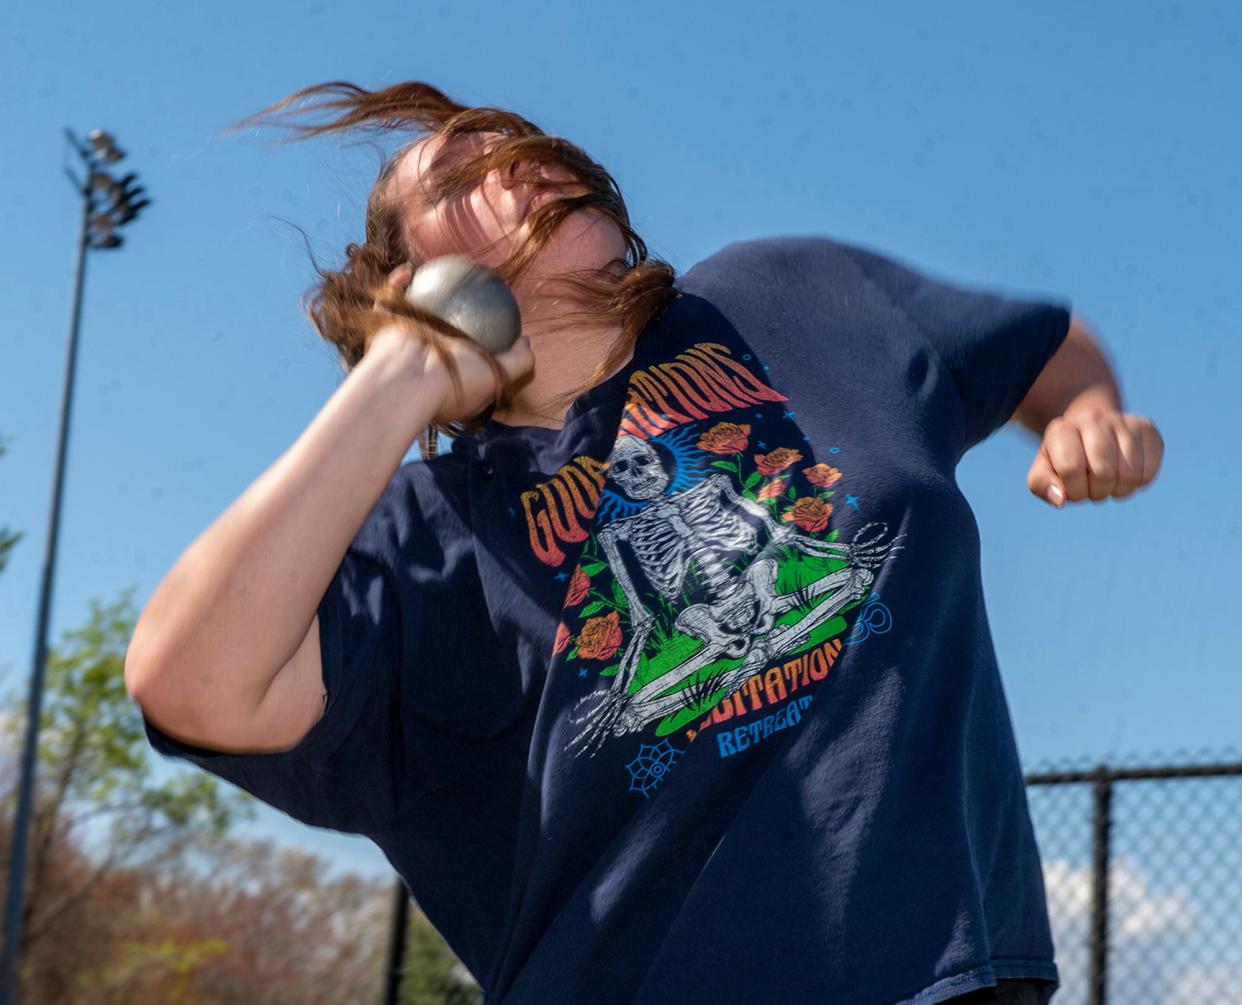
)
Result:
{"points": [[107, 204]]}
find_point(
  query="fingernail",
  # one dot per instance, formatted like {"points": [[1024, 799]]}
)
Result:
{"points": [[1055, 496]]}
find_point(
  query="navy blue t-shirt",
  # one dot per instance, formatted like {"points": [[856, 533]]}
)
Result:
{"points": [[696, 697]]}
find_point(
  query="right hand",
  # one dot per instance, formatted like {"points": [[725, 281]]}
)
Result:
{"points": [[479, 386]]}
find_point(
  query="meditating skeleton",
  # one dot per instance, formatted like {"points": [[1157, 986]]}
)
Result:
{"points": [[705, 527]]}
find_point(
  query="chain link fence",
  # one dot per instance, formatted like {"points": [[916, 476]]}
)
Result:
{"points": [[1143, 870]]}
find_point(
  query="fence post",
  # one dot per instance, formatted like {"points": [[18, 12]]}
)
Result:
{"points": [[1101, 832], [396, 944]]}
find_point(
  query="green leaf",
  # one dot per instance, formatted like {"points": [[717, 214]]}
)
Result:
{"points": [[751, 480], [591, 568], [618, 595], [727, 465], [610, 671], [572, 654], [592, 608]]}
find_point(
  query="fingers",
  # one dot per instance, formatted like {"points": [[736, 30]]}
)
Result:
{"points": [[1095, 456], [1132, 458], [398, 279], [1099, 443], [1059, 471], [1152, 442]]}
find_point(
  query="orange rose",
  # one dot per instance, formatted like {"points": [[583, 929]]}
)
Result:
{"points": [[578, 587], [811, 513], [777, 460], [725, 438], [562, 638], [823, 475], [600, 637], [773, 488]]}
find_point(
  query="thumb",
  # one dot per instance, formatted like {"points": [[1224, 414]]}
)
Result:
{"points": [[397, 280], [518, 359], [1043, 481]]}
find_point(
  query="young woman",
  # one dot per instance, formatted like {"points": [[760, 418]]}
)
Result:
{"points": [[673, 678]]}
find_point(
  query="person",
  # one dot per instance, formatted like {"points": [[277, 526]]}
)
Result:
{"points": [[672, 679]]}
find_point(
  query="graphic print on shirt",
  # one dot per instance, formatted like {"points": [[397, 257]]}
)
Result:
{"points": [[711, 556]]}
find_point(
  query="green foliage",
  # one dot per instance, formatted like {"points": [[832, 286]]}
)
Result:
{"points": [[177, 963], [8, 539], [93, 750], [433, 975], [96, 770]]}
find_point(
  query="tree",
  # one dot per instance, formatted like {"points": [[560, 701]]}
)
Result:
{"points": [[250, 923], [8, 539], [96, 786], [433, 975], [137, 894]]}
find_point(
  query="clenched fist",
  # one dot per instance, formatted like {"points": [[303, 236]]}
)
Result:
{"points": [[1094, 453]]}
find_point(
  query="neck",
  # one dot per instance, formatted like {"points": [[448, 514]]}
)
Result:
{"points": [[565, 357]]}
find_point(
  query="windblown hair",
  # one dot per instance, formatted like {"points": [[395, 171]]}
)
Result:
{"points": [[349, 305]]}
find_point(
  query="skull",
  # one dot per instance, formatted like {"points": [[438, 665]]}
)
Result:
{"points": [[637, 469]]}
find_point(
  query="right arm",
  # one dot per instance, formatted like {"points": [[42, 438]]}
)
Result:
{"points": [[226, 653]]}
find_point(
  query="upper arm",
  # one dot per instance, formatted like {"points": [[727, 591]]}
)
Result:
{"points": [[331, 762], [293, 703], [1078, 361]]}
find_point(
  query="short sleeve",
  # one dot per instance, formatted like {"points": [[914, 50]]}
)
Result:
{"points": [[995, 346], [342, 774]]}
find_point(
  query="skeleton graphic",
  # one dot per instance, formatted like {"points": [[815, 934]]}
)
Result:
{"points": [[705, 527]]}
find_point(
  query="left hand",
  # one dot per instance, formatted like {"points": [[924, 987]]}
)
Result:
{"points": [[1094, 453]]}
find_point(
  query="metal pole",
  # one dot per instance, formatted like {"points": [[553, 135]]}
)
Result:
{"points": [[30, 752], [1101, 835], [396, 944]]}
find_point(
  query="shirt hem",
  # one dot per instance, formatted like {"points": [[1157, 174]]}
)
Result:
{"points": [[984, 977]]}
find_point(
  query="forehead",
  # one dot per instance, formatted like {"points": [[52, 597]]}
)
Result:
{"points": [[439, 151]]}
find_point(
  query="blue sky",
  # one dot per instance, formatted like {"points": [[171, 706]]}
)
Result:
{"points": [[1087, 152]]}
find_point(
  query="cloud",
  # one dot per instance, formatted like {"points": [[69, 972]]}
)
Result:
{"points": [[1152, 934]]}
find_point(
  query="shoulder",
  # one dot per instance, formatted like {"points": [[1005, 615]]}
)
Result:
{"points": [[780, 257]]}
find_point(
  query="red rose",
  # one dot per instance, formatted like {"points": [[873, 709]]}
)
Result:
{"points": [[600, 637], [773, 488], [725, 438], [578, 587], [823, 475], [811, 513], [562, 638], [777, 460]]}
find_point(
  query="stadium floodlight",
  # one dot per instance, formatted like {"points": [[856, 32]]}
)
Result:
{"points": [[120, 205]]}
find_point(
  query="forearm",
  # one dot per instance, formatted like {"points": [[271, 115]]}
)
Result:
{"points": [[1077, 377], [237, 604]]}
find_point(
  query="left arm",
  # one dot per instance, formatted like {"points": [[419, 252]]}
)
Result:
{"points": [[1089, 448]]}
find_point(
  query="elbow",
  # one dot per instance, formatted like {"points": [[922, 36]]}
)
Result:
{"points": [[137, 670], [152, 685]]}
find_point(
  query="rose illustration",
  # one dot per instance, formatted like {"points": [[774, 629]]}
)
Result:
{"points": [[600, 637], [773, 488], [823, 475], [725, 438], [578, 587], [777, 460], [811, 513], [562, 638]]}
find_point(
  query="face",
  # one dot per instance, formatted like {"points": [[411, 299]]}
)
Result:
{"points": [[488, 221]]}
